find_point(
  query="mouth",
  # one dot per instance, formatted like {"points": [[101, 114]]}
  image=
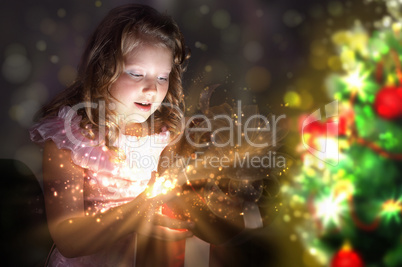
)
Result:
{"points": [[143, 106]]}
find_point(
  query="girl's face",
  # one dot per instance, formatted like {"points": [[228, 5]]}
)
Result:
{"points": [[144, 83]]}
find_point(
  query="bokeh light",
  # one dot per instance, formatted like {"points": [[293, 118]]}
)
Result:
{"points": [[221, 19], [61, 12], [48, 26], [335, 8], [204, 9], [67, 75], [292, 18], [231, 35], [23, 112], [192, 19], [293, 99], [16, 67], [253, 51], [278, 50], [41, 45]]}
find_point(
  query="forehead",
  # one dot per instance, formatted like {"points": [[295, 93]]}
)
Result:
{"points": [[150, 54]]}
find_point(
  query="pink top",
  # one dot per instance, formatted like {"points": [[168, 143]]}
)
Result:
{"points": [[109, 182]]}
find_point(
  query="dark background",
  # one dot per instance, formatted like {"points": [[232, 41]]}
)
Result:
{"points": [[270, 46], [258, 50]]}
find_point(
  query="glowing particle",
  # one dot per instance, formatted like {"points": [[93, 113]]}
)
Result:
{"points": [[169, 184], [61, 165]]}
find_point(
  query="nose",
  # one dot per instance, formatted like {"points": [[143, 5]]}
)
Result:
{"points": [[149, 88]]}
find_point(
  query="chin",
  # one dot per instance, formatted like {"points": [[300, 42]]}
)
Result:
{"points": [[136, 118]]}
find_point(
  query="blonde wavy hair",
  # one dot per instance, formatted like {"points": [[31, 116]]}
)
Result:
{"points": [[122, 30]]}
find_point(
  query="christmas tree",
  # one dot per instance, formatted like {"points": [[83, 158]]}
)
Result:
{"points": [[349, 184]]}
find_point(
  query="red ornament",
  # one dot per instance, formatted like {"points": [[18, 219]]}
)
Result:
{"points": [[388, 103], [346, 257]]}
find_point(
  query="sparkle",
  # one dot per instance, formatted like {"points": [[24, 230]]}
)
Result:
{"points": [[391, 209], [331, 208], [355, 80]]}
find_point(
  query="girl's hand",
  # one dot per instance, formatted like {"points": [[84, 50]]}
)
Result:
{"points": [[154, 223], [77, 234]]}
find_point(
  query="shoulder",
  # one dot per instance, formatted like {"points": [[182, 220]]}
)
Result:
{"points": [[52, 153], [56, 127], [56, 160], [62, 135]]}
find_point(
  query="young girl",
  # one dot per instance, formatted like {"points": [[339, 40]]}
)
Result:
{"points": [[102, 137]]}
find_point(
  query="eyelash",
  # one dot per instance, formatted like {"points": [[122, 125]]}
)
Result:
{"points": [[135, 75]]}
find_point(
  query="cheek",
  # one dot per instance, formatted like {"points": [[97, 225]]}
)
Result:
{"points": [[120, 89], [163, 93]]}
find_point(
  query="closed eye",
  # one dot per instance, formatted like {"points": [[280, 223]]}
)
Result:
{"points": [[135, 75], [163, 79]]}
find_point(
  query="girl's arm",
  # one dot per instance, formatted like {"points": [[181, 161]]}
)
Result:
{"points": [[76, 233]]}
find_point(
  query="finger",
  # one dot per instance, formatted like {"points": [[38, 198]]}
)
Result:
{"points": [[163, 233], [163, 220], [163, 198], [153, 178], [144, 194]]}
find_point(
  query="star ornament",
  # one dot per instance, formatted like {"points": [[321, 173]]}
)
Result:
{"points": [[391, 210], [330, 209], [355, 80]]}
